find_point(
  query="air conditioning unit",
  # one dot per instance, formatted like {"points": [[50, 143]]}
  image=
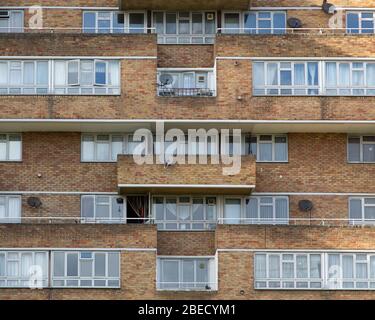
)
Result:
{"points": [[210, 16], [4, 14]]}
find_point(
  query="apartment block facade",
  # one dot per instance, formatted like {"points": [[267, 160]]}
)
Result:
{"points": [[81, 219]]}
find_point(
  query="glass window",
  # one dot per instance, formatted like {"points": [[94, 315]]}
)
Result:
{"points": [[360, 22], [73, 72], [89, 22], [361, 149], [10, 209], [104, 209], [185, 274], [285, 78], [11, 21], [105, 148], [171, 26], [231, 22], [136, 23], [100, 73], [85, 269], [266, 210], [362, 210], [10, 147]]}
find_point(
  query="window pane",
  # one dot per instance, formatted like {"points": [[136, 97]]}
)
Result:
{"points": [[102, 148], [344, 74], [197, 23], [73, 72], [100, 264], [14, 208], [16, 21], [354, 149], [210, 23], [117, 144], [15, 147], [188, 273], [250, 22], [170, 274], [355, 209], [352, 22], [232, 22], [118, 22], [2, 264], [302, 267], [60, 73], [136, 22], [279, 23], [158, 20], [89, 19], [265, 152], [72, 264], [331, 75], [274, 266], [88, 148], [100, 73], [272, 78], [15, 73], [347, 267], [88, 207], [232, 212], [299, 74], [28, 73], [58, 264], [368, 152], [288, 270], [370, 213], [42, 73], [258, 74], [202, 273], [87, 72], [312, 73], [86, 268], [315, 266], [171, 23], [113, 264], [3, 73], [281, 209], [260, 266], [281, 149], [370, 74], [117, 209]]}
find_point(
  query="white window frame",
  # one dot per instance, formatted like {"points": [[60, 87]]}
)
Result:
{"points": [[6, 280], [293, 88], [366, 89], [242, 21], [273, 147], [7, 159], [78, 278], [7, 218], [362, 220], [207, 224], [112, 27], [337, 282], [110, 219], [169, 38], [11, 12], [360, 147], [360, 19], [181, 286], [111, 135], [245, 220], [309, 281]]}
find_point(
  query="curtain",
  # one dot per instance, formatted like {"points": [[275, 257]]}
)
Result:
{"points": [[137, 203], [232, 211], [2, 264], [3, 73], [42, 73], [198, 210], [14, 209], [347, 267], [312, 75], [331, 75], [26, 263], [301, 266], [344, 74], [370, 74], [333, 266], [100, 73], [265, 151], [87, 72], [315, 266], [272, 74], [250, 22], [299, 74], [274, 266], [260, 266], [28, 73], [14, 147], [281, 150], [60, 73], [114, 73]]}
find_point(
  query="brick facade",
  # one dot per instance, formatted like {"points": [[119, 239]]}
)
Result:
{"points": [[317, 168]]}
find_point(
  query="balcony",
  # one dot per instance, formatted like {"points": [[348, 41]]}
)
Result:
{"points": [[183, 5], [184, 178], [185, 92]]}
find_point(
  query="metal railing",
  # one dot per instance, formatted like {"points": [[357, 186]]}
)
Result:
{"points": [[286, 31], [196, 225], [186, 92], [189, 286], [127, 30]]}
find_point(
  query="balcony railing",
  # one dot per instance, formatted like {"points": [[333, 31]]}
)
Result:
{"points": [[186, 92], [191, 225]]}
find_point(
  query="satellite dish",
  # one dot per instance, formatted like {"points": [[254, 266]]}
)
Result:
{"points": [[305, 205], [294, 23], [328, 7], [34, 202], [166, 79]]}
